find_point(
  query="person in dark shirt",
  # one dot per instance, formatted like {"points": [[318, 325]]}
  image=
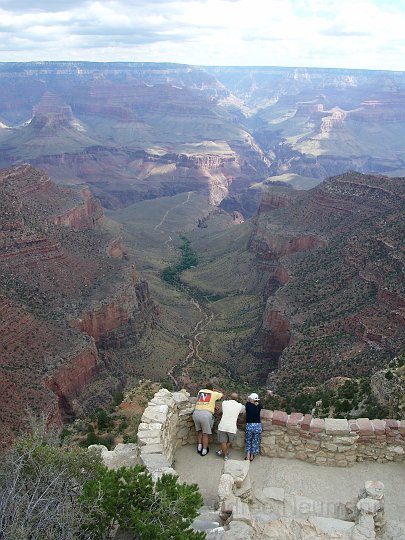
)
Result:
{"points": [[253, 427]]}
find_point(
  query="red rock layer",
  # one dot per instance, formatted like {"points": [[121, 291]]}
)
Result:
{"points": [[68, 380], [344, 299], [56, 266], [112, 314], [34, 351], [85, 216]]}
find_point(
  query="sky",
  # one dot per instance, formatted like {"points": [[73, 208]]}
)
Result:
{"points": [[365, 34]]}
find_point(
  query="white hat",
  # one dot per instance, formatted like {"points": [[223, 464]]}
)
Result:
{"points": [[254, 397]]}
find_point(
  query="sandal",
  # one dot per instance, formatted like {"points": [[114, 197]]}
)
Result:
{"points": [[252, 458]]}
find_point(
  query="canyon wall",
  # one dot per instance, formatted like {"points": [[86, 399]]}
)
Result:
{"points": [[68, 294], [336, 282], [69, 379], [90, 123], [84, 216]]}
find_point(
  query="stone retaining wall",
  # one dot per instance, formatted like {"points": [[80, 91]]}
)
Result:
{"points": [[167, 424], [331, 441]]}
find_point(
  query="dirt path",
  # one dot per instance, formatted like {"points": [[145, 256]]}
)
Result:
{"points": [[171, 209], [207, 316], [193, 343]]}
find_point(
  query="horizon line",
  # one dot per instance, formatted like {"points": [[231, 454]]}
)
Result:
{"points": [[234, 66]]}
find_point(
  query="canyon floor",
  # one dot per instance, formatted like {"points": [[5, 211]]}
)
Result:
{"points": [[218, 307], [328, 486]]}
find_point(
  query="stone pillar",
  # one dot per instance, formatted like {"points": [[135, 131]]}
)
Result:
{"points": [[369, 511]]}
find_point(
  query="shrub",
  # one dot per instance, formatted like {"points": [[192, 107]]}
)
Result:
{"points": [[39, 487], [117, 398], [48, 492], [129, 498], [90, 439], [103, 420]]}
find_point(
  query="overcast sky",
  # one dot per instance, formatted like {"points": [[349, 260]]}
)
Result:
{"points": [[326, 33]]}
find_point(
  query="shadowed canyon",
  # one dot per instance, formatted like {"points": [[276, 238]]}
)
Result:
{"points": [[180, 223]]}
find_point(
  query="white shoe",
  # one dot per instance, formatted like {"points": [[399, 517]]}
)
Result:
{"points": [[219, 452]]}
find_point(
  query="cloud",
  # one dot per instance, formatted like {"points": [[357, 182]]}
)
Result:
{"points": [[340, 30], [309, 33]]}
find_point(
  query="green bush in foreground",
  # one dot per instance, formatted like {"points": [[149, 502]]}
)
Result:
{"points": [[129, 498], [48, 492]]}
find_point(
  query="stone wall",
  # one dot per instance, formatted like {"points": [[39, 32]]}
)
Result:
{"points": [[331, 441], [167, 424]]}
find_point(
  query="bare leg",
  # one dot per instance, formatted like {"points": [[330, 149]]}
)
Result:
{"points": [[199, 439], [224, 448], [205, 440]]}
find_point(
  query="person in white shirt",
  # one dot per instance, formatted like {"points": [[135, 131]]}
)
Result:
{"points": [[231, 409]]}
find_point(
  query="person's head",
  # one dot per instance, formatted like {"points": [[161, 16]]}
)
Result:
{"points": [[209, 386], [253, 398], [234, 396]]}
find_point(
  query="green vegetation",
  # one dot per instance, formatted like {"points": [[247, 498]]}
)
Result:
{"points": [[116, 423], [40, 486], [345, 398], [48, 492], [171, 274], [129, 498]]}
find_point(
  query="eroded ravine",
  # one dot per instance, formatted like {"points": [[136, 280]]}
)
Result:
{"points": [[193, 344], [193, 337]]}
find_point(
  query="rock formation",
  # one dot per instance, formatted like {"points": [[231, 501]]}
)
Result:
{"points": [[136, 130], [65, 292], [334, 254]]}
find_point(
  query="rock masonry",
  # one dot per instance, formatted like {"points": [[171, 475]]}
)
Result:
{"points": [[167, 424], [331, 441]]}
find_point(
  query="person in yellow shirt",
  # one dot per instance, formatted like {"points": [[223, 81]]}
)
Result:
{"points": [[203, 416]]}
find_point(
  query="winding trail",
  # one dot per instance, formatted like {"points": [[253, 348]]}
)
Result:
{"points": [[193, 343], [171, 209], [193, 340]]}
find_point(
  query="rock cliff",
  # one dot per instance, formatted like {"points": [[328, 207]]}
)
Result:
{"points": [[90, 123], [336, 279], [59, 262]]}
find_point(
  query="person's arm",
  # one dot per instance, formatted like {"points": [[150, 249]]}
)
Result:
{"points": [[219, 395]]}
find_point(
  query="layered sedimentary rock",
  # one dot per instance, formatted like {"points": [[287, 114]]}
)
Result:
{"points": [[59, 263], [337, 288], [85, 216], [85, 122], [117, 320], [130, 131]]}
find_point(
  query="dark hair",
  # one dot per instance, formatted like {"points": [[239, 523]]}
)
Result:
{"points": [[209, 386]]}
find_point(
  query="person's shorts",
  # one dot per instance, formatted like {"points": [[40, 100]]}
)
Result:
{"points": [[203, 421], [225, 436]]}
